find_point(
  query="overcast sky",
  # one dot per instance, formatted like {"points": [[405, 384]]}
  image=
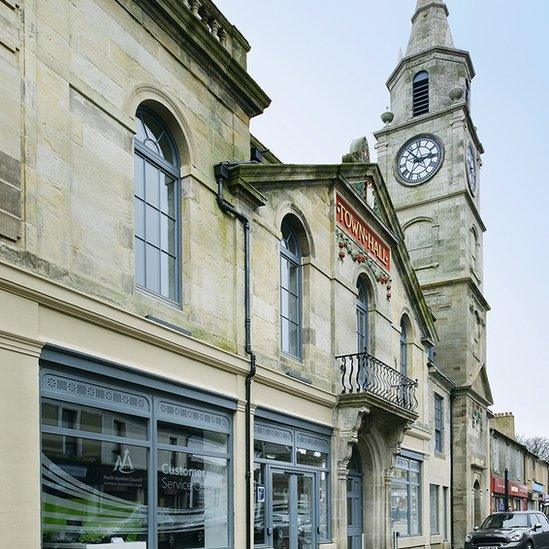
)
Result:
{"points": [[324, 64]]}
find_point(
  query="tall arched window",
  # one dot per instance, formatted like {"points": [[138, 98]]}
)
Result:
{"points": [[156, 207], [420, 93], [403, 347], [362, 317], [290, 291]]}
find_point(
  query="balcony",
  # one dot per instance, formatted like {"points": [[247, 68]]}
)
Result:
{"points": [[364, 377]]}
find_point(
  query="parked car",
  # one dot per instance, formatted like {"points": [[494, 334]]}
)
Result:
{"points": [[517, 529]]}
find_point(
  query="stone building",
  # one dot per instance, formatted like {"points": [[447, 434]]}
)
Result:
{"points": [[526, 473], [429, 153], [202, 351]]}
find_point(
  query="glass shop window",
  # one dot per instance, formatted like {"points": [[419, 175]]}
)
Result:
{"points": [[99, 484]]}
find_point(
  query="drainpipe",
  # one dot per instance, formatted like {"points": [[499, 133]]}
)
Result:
{"points": [[452, 398], [221, 174]]}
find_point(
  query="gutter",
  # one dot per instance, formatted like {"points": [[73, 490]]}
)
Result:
{"points": [[221, 175]]}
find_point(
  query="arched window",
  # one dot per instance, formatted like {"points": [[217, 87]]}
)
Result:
{"points": [[474, 248], [290, 291], [420, 93], [362, 317], [156, 207], [403, 347]]}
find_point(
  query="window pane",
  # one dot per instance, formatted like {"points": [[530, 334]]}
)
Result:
{"points": [[192, 437], [284, 303], [294, 339], [272, 451], [193, 498], [414, 510], [433, 507], [139, 217], [94, 420], [139, 173], [167, 202], [399, 508], [324, 502], [140, 261], [259, 504], [151, 185], [285, 335], [153, 268], [94, 494], [294, 309], [284, 273], [153, 226], [294, 279], [167, 234], [312, 458]]}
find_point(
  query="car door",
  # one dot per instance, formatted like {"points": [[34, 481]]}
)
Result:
{"points": [[543, 539]]}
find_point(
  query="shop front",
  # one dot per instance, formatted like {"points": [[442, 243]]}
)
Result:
{"points": [[518, 495], [535, 497], [138, 463], [291, 482]]}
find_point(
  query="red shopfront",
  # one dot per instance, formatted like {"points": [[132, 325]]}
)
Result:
{"points": [[518, 495]]}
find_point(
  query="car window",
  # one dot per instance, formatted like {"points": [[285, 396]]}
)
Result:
{"points": [[541, 518], [506, 520]]}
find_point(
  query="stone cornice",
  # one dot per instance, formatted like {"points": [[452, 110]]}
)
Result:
{"points": [[462, 105], [447, 196], [460, 280], [194, 37], [464, 55], [20, 344], [90, 309]]}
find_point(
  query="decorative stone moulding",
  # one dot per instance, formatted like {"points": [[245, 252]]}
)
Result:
{"points": [[456, 94], [349, 248], [387, 117]]}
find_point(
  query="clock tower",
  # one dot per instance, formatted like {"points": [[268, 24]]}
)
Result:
{"points": [[430, 155]]}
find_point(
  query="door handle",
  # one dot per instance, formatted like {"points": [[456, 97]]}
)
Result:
{"points": [[270, 531]]}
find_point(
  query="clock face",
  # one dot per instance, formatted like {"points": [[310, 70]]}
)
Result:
{"points": [[471, 167], [419, 159]]}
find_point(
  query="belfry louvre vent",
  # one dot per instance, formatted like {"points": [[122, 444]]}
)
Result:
{"points": [[420, 93]]}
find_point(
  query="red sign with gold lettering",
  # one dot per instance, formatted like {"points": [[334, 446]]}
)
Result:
{"points": [[361, 233]]}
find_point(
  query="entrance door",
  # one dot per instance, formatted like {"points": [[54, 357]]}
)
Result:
{"points": [[354, 512], [293, 512]]}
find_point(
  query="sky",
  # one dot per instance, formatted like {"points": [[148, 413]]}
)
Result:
{"points": [[325, 63]]}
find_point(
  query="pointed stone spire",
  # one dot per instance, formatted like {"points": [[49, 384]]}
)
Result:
{"points": [[429, 27]]}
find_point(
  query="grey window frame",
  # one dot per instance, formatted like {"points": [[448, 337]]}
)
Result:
{"points": [[362, 331], [434, 490], [410, 457], [403, 347], [446, 509], [439, 423], [172, 170], [153, 398], [295, 261], [292, 432]]}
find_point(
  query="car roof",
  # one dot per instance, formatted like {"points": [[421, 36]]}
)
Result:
{"points": [[515, 512]]}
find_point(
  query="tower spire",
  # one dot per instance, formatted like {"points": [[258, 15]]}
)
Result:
{"points": [[429, 27]]}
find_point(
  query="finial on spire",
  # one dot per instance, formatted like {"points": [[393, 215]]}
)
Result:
{"points": [[429, 27]]}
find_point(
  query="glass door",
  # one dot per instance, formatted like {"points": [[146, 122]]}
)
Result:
{"points": [[293, 511], [281, 510]]}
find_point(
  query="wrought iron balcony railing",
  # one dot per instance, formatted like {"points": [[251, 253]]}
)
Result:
{"points": [[363, 373]]}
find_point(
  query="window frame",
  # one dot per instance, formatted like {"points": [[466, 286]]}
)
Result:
{"points": [[362, 317], [434, 506], [152, 414], [404, 359], [171, 170], [439, 423], [421, 100], [295, 262], [289, 434], [409, 484]]}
